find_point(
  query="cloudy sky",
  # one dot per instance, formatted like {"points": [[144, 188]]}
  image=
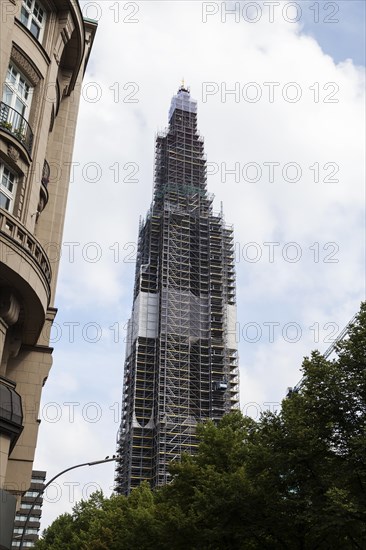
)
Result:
{"points": [[280, 98]]}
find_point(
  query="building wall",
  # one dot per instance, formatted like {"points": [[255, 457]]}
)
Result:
{"points": [[36, 150], [34, 523]]}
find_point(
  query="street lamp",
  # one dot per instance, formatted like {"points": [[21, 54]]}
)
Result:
{"points": [[49, 483]]}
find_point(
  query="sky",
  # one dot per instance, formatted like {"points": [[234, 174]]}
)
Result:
{"points": [[280, 92]]}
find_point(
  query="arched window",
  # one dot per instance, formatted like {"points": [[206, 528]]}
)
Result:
{"points": [[17, 91]]}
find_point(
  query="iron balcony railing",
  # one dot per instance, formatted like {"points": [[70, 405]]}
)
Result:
{"points": [[15, 124]]}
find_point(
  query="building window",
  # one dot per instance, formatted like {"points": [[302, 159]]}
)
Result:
{"points": [[29, 531], [8, 185], [15, 106], [17, 91], [20, 518], [33, 16], [24, 518], [26, 506]]}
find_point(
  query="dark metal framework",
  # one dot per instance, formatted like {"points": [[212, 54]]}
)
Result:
{"points": [[14, 123], [181, 359]]}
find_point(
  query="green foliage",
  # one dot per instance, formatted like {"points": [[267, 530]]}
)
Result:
{"points": [[102, 523], [292, 480]]}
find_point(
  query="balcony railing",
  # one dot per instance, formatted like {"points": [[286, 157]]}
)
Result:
{"points": [[11, 227], [16, 125]]}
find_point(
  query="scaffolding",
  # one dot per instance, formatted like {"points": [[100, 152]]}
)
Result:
{"points": [[181, 357]]}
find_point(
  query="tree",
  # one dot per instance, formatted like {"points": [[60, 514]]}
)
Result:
{"points": [[295, 479], [291, 480], [105, 524]]}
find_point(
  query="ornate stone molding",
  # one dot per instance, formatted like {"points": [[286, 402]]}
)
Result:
{"points": [[15, 341], [25, 65], [13, 153], [9, 307], [66, 25]]}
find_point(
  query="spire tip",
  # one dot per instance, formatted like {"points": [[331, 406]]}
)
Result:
{"points": [[183, 87]]}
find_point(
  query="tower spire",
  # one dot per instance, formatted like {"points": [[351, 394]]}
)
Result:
{"points": [[183, 101], [183, 87], [181, 355]]}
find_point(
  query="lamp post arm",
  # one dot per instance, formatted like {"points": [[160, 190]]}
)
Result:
{"points": [[49, 483]]}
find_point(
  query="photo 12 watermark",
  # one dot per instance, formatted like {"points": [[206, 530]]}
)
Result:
{"points": [[271, 12], [270, 92], [274, 171]]}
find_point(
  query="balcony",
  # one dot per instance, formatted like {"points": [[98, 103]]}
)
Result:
{"points": [[25, 267], [16, 125], [11, 227]]}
